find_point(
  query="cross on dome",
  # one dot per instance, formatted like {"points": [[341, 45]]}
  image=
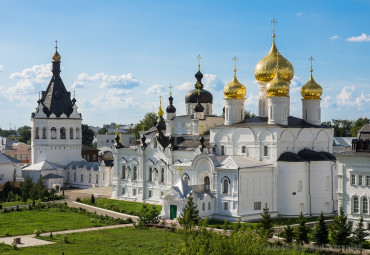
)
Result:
{"points": [[170, 90], [311, 59], [273, 21], [235, 59], [199, 58]]}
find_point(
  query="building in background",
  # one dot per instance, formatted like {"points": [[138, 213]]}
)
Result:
{"points": [[20, 151], [8, 167]]}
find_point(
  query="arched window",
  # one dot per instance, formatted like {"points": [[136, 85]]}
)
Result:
{"points": [[204, 206], [89, 178], [299, 186], [150, 172], [37, 136], [222, 150], [206, 183], [265, 150], [209, 205], [365, 205], [74, 177], [77, 133], [44, 133], [82, 178], [135, 173], [71, 133], [225, 185], [53, 133], [355, 204], [243, 149], [62, 133], [162, 175], [123, 172], [186, 178]]}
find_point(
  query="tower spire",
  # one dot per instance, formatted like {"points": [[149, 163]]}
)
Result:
{"points": [[199, 58], [235, 59], [170, 87], [273, 21], [311, 60]]}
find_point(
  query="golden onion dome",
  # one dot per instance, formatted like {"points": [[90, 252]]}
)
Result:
{"points": [[235, 90], [311, 90], [266, 68], [278, 87], [56, 57]]}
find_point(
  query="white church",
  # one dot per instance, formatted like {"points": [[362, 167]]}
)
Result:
{"points": [[233, 166], [56, 140]]}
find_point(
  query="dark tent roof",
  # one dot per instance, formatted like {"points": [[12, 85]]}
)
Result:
{"points": [[328, 155], [290, 157]]}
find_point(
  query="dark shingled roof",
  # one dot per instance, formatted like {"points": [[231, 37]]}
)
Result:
{"points": [[290, 157], [310, 155], [293, 122], [329, 155], [52, 176]]}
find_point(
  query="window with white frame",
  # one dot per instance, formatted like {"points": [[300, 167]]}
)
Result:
{"points": [[134, 192], [300, 186], [243, 149], [225, 185], [265, 151], [207, 183], [353, 179], [209, 206], [257, 206], [134, 177], [204, 206], [365, 205], [150, 174], [97, 179], [355, 204], [222, 150], [89, 178], [123, 176], [360, 179], [368, 180], [149, 193], [82, 178], [123, 191], [162, 175], [162, 193], [74, 177], [226, 206]]}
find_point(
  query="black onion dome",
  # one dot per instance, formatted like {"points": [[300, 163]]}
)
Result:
{"points": [[199, 108], [205, 96], [199, 76], [171, 108], [74, 100]]}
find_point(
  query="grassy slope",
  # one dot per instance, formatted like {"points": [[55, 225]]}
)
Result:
{"points": [[112, 241], [25, 222], [128, 207]]}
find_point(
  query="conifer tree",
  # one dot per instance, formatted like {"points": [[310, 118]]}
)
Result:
{"points": [[190, 215], [302, 230], [288, 233], [340, 230], [92, 199], [266, 222], [359, 234], [320, 233]]}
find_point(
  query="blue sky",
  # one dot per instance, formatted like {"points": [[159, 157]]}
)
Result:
{"points": [[119, 56]]}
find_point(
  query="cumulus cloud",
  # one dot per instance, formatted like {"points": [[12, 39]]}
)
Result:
{"points": [[155, 89], [212, 82], [361, 38], [185, 86], [346, 98], [327, 102], [1, 68], [28, 82], [251, 99], [113, 99], [108, 81], [78, 84], [334, 38]]}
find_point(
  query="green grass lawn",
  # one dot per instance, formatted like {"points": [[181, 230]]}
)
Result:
{"points": [[49, 219], [132, 208], [14, 203], [113, 241]]}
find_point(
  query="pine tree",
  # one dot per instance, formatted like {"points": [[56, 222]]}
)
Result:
{"points": [[359, 234], [302, 230], [320, 233], [26, 188], [190, 215], [288, 233], [92, 199], [266, 222], [340, 230]]}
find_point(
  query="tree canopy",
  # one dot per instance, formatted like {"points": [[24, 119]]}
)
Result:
{"points": [[346, 128], [25, 133], [148, 121], [87, 135], [103, 131]]}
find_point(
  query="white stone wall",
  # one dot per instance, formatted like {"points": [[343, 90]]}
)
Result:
{"points": [[234, 111], [278, 110], [6, 172], [262, 99], [311, 111]]}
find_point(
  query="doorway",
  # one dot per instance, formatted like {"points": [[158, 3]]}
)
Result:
{"points": [[173, 211]]}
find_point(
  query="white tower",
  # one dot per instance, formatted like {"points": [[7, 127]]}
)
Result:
{"points": [[234, 100], [56, 124], [311, 93], [265, 71]]}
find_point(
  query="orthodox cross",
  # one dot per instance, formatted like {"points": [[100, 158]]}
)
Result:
{"points": [[56, 44], [311, 59], [180, 170], [273, 21], [160, 100], [199, 58], [170, 90], [235, 59], [198, 85]]}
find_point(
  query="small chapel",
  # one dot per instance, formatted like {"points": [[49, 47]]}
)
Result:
{"points": [[233, 166]]}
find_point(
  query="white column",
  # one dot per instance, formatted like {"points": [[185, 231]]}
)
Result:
{"points": [[234, 111], [278, 110], [311, 111], [262, 99]]}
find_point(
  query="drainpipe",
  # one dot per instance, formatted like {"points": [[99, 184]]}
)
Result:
{"points": [[309, 186]]}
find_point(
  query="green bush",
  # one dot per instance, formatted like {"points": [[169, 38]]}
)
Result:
{"points": [[37, 232]]}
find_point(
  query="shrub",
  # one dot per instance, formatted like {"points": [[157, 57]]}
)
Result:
{"points": [[37, 232], [129, 220], [14, 245], [6, 233], [65, 239]]}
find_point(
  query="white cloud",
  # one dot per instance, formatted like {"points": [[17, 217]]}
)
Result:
{"points": [[251, 99], [1, 68], [107, 81], [334, 38], [361, 38], [78, 84], [29, 81], [327, 102], [212, 82], [185, 86], [155, 89], [299, 13], [112, 99], [346, 98]]}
